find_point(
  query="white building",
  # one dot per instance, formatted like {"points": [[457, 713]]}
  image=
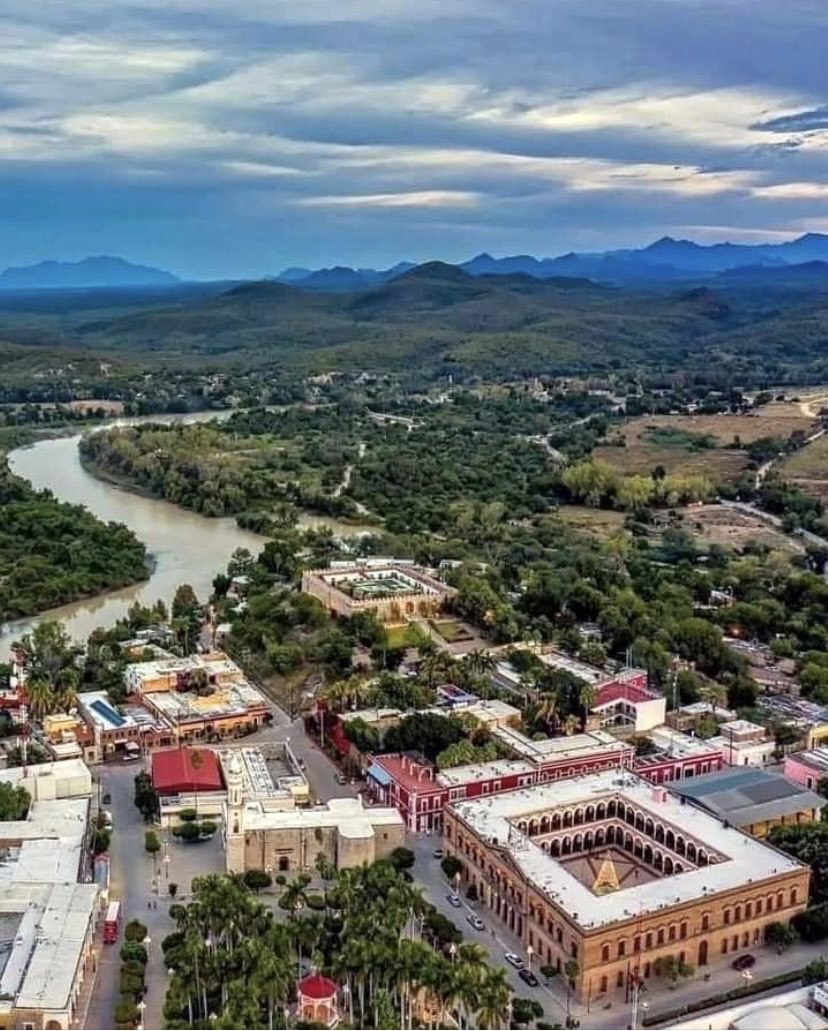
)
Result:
{"points": [[743, 743], [44, 781]]}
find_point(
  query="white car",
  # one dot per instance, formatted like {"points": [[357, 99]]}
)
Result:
{"points": [[454, 900], [514, 960], [476, 922]]}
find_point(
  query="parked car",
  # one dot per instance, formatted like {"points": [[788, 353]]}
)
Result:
{"points": [[744, 962], [529, 978], [476, 922], [438, 853], [107, 819], [107, 799], [454, 900], [514, 960]]}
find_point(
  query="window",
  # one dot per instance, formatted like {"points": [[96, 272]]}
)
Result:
{"points": [[637, 943], [727, 915], [604, 953], [619, 979], [648, 940], [622, 948], [734, 942], [683, 929], [748, 910], [672, 933], [780, 900], [758, 907], [604, 983], [706, 922], [794, 896], [660, 938], [737, 915]]}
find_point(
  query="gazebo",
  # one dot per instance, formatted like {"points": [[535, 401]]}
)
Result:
{"points": [[317, 1000]]}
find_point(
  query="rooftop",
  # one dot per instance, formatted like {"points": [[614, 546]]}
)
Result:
{"points": [[620, 691], [674, 744], [745, 795], [226, 700], [476, 772], [98, 710], [494, 819], [47, 846], [559, 749], [816, 758], [347, 815], [185, 769]]}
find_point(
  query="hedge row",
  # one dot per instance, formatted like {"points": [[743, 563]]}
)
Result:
{"points": [[742, 992]]}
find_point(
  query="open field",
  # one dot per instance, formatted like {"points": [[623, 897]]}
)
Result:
{"points": [[598, 521], [808, 469], [733, 528], [644, 450]]}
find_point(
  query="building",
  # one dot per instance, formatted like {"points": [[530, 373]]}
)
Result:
{"points": [[690, 717], [393, 589], [751, 799], [807, 768], [626, 702], [198, 698], [792, 1009], [195, 778], [613, 872], [67, 736], [676, 756], [420, 793], [743, 743], [47, 782], [261, 835], [47, 918], [316, 1000], [119, 731]]}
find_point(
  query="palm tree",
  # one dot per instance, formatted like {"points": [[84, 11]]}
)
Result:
{"points": [[547, 709], [436, 668], [41, 697], [572, 971], [714, 694], [586, 699], [494, 999]]}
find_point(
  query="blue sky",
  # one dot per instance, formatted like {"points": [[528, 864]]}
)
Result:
{"points": [[220, 139]]}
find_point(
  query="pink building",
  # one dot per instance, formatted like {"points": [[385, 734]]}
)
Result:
{"points": [[807, 768], [677, 756]]}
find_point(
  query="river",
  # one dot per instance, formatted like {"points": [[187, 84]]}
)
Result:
{"points": [[184, 547]]}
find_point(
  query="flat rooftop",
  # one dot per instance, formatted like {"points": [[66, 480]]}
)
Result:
{"points": [[342, 813], [226, 700], [747, 794], [746, 859], [48, 845], [558, 749], [476, 772], [98, 710], [672, 744]]}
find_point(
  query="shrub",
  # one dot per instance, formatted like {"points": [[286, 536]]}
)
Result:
{"points": [[135, 931], [151, 842], [315, 901], [207, 828], [172, 941], [526, 1010], [257, 880], [187, 831], [99, 841], [188, 815], [126, 1012], [133, 952], [451, 866], [131, 985], [402, 858]]}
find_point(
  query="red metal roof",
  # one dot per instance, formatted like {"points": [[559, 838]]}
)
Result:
{"points": [[186, 769], [615, 692], [317, 986]]}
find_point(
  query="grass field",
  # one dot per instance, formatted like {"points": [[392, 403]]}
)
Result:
{"points": [[397, 635], [448, 629], [731, 528], [642, 453], [598, 521], [808, 469]]}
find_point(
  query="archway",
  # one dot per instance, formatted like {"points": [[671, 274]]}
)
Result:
{"points": [[702, 953]]}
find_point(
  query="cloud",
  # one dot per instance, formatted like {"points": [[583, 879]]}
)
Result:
{"points": [[422, 199], [545, 124]]}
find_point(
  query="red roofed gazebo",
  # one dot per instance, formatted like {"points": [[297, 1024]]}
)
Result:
{"points": [[185, 769], [317, 1000]]}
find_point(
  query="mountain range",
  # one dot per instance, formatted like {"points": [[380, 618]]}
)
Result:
{"points": [[102, 271], [665, 261]]}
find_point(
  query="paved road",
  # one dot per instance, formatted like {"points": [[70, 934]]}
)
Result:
{"points": [[133, 871]]}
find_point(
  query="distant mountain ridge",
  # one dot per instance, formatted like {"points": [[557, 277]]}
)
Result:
{"points": [[89, 273], [663, 261]]}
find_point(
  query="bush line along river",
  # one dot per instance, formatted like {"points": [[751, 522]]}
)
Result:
{"points": [[183, 547]]}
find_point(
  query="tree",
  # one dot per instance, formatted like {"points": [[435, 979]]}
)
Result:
{"points": [[257, 880], [451, 866], [780, 936], [145, 797], [526, 1010], [151, 843], [14, 802], [135, 931], [401, 858]]}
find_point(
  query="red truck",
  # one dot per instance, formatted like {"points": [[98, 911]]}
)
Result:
{"points": [[112, 923]]}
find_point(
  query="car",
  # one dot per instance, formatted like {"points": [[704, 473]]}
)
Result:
{"points": [[476, 922], [107, 799], [528, 978], [514, 960], [744, 962], [341, 779], [107, 818], [438, 853], [454, 900]]}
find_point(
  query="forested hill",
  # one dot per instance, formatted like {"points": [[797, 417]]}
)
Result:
{"points": [[439, 320], [52, 553]]}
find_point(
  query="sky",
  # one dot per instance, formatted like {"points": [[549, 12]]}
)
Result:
{"points": [[220, 139]]}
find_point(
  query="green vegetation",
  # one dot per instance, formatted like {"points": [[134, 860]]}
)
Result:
{"points": [[231, 958], [675, 437], [14, 802], [52, 553]]}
